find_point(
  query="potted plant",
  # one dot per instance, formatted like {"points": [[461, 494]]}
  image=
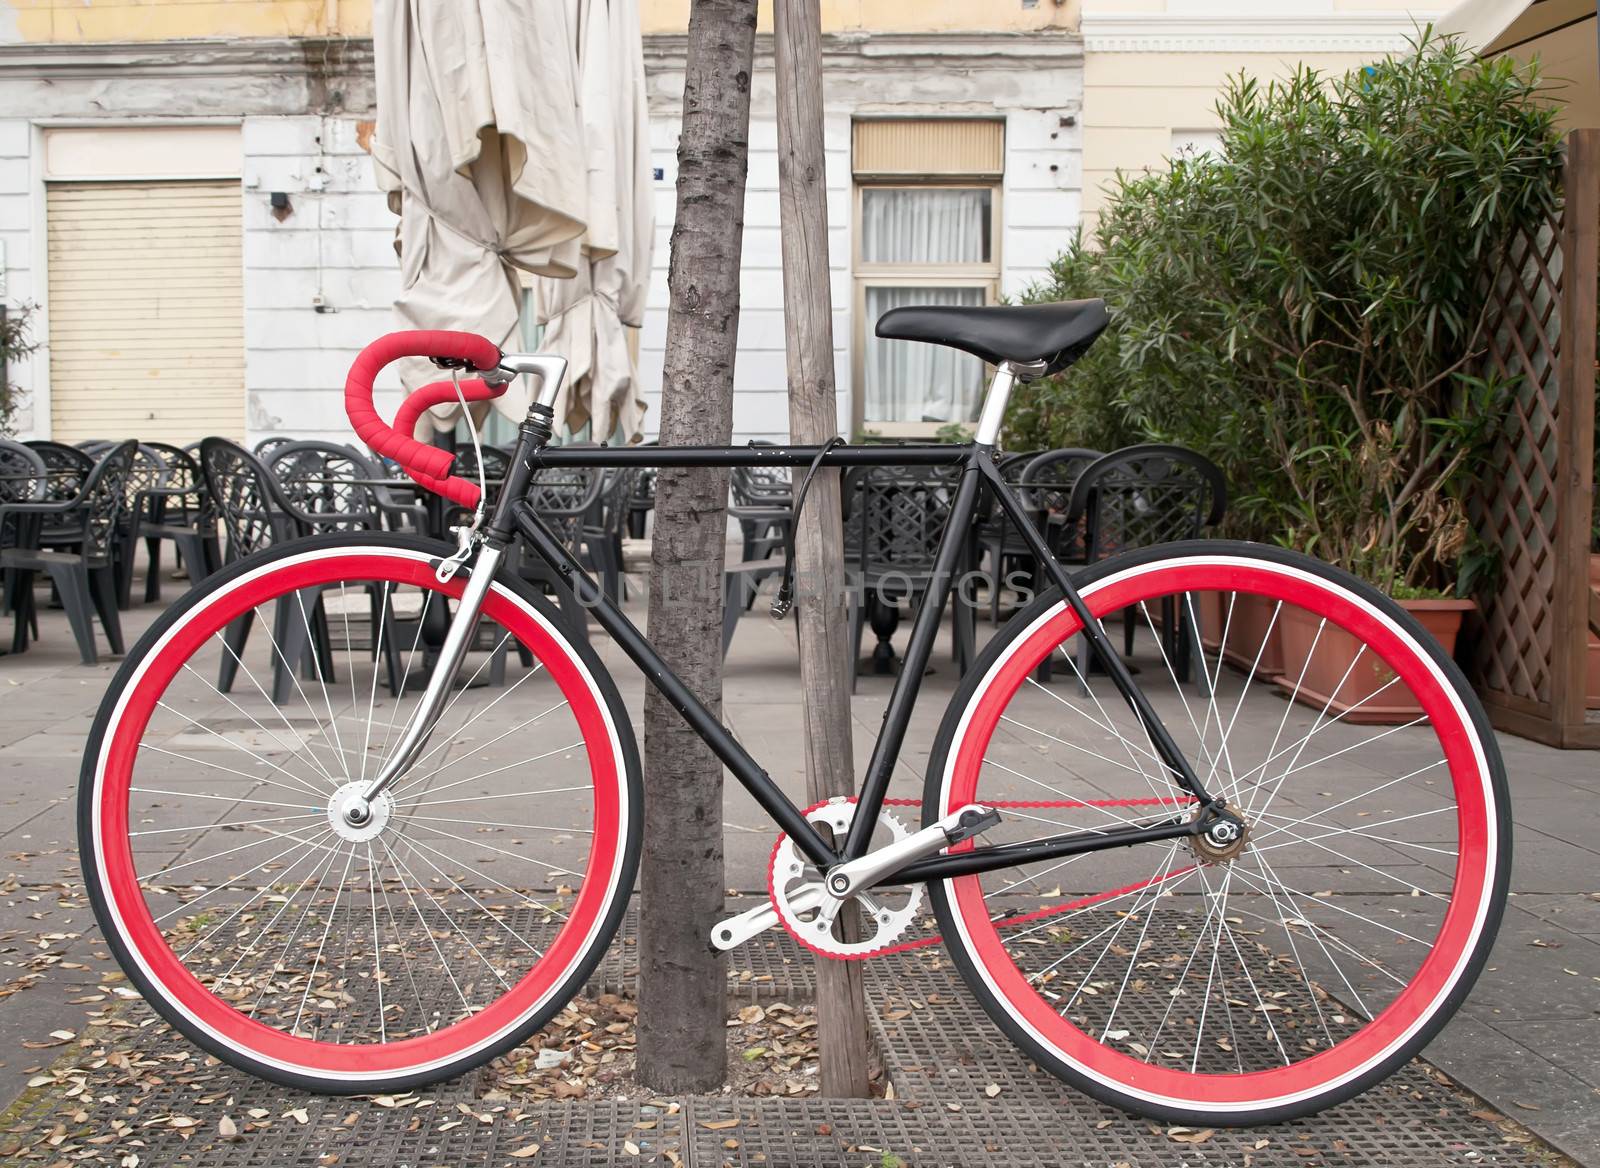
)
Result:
{"points": [[1304, 306]]}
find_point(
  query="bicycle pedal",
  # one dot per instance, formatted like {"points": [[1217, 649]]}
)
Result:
{"points": [[973, 821]]}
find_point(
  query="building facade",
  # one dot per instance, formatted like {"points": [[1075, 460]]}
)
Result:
{"points": [[187, 201]]}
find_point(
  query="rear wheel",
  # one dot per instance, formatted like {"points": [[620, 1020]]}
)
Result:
{"points": [[263, 925], [1242, 981]]}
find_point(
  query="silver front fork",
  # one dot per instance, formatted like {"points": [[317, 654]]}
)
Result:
{"points": [[550, 370], [456, 642]]}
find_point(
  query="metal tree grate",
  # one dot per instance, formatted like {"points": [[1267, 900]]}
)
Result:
{"points": [[963, 1096], [949, 1052], [771, 966]]}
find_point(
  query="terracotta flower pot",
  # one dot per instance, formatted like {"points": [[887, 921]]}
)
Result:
{"points": [[1250, 622], [1358, 699]]}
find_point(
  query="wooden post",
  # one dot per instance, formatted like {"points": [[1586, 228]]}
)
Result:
{"points": [[819, 537], [683, 987], [1575, 373]]}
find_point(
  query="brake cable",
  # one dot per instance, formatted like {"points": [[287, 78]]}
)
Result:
{"points": [[784, 601], [467, 534]]}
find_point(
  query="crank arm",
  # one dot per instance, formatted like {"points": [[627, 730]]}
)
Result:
{"points": [[736, 930]]}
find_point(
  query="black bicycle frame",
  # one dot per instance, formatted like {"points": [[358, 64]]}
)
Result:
{"points": [[513, 513]]}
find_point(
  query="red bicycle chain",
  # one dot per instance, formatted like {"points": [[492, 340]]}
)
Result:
{"points": [[1037, 914]]}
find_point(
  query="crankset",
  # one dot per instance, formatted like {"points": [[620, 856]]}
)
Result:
{"points": [[808, 902]]}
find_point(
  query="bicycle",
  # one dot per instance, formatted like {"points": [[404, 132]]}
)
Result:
{"points": [[1285, 905]]}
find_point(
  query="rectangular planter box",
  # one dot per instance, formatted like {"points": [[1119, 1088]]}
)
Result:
{"points": [[1250, 622], [1335, 649]]}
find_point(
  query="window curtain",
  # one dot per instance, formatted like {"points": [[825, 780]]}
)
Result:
{"points": [[913, 382], [909, 381], [924, 226]]}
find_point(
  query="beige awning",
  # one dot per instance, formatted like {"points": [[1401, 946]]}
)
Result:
{"points": [[585, 318], [480, 149], [1563, 35]]}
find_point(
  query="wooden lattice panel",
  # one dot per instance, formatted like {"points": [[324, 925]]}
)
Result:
{"points": [[1516, 511]]}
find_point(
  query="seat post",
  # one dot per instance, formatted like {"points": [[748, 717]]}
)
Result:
{"points": [[1006, 376]]}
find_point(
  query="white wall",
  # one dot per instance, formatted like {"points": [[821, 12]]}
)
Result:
{"points": [[336, 246], [760, 404], [1035, 82], [17, 239], [337, 243]]}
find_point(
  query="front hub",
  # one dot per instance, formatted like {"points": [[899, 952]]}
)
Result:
{"points": [[356, 819]]}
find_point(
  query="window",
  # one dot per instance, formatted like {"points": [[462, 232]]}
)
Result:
{"points": [[921, 239], [1196, 143]]}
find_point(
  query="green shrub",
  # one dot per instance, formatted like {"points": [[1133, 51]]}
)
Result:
{"points": [[1302, 305], [15, 342]]}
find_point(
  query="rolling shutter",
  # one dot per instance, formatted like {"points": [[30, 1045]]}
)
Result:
{"points": [[146, 310], [921, 148]]}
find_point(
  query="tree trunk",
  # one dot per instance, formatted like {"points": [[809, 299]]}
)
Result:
{"points": [[819, 538], [682, 980]]}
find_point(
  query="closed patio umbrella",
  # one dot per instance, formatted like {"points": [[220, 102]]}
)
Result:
{"points": [[480, 150], [1563, 34], [585, 318]]}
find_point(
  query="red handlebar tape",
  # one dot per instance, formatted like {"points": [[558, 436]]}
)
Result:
{"points": [[427, 465]]}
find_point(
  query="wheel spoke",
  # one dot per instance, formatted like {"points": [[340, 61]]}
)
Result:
{"points": [[1280, 941], [308, 758], [416, 919]]}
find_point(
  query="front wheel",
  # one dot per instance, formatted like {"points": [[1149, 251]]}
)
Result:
{"points": [[1226, 982], [344, 958]]}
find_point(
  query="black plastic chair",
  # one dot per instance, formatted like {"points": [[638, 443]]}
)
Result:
{"points": [[496, 463], [1144, 495], [641, 502], [266, 446], [146, 479], [1137, 497], [66, 466], [22, 480], [82, 568], [995, 538], [763, 505], [255, 514], [331, 487], [1045, 485], [894, 520], [340, 486], [328, 483], [181, 510], [606, 535], [22, 475]]}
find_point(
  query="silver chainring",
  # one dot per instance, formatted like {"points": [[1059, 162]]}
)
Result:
{"points": [[797, 890]]}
